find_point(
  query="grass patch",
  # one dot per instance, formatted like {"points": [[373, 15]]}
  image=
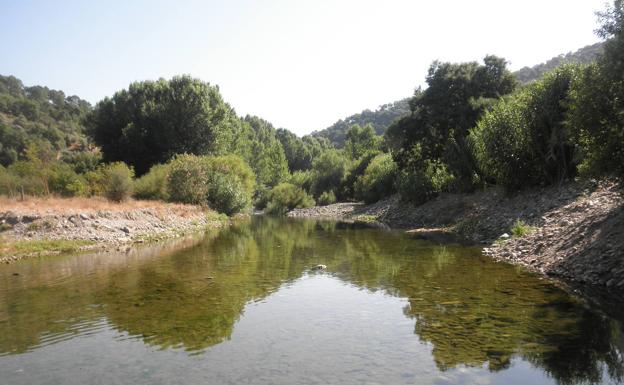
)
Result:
{"points": [[520, 229], [365, 218], [5, 227], [40, 247]]}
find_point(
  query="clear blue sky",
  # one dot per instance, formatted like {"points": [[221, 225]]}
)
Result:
{"points": [[299, 64]]}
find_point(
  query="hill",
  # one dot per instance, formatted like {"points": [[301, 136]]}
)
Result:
{"points": [[387, 113], [42, 115]]}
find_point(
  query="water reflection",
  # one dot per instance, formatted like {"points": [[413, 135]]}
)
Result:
{"points": [[190, 294]]}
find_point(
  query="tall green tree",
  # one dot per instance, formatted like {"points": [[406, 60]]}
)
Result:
{"points": [[151, 121], [360, 140]]}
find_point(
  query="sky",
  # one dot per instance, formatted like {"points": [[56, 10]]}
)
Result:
{"points": [[301, 65]]}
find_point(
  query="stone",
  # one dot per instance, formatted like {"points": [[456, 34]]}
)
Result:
{"points": [[84, 217], [126, 229], [505, 236]]}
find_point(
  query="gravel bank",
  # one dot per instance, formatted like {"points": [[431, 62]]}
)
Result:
{"points": [[103, 227]]}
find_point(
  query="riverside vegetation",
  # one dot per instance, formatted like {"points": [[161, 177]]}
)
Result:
{"points": [[474, 125]]}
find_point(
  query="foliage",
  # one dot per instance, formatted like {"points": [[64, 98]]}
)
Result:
{"points": [[326, 198], [118, 181], [300, 152], [153, 185], [377, 182], [231, 184], [39, 114], [65, 181], [379, 119], [430, 145], [329, 172], [585, 55], [285, 197], [597, 102], [266, 156], [523, 140], [360, 140], [152, 121], [225, 183], [520, 229]]}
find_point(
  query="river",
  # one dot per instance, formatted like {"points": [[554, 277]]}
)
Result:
{"points": [[242, 305]]}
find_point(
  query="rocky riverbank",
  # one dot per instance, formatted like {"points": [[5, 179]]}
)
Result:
{"points": [[93, 223], [574, 232]]}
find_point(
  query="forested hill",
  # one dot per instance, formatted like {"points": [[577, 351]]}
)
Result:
{"points": [[381, 118], [584, 55], [39, 114]]}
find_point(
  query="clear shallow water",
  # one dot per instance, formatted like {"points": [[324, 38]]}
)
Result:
{"points": [[240, 306]]}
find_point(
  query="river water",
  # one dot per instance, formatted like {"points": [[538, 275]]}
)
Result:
{"points": [[241, 305]]}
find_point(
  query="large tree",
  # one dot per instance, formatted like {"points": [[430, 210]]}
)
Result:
{"points": [[153, 120], [434, 135]]}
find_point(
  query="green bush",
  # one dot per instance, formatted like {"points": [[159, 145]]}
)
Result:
{"points": [[118, 181], [520, 229], [524, 140], [302, 179], [65, 181], [285, 197], [153, 185], [418, 186], [225, 183], [357, 169], [326, 198], [377, 182], [188, 179]]}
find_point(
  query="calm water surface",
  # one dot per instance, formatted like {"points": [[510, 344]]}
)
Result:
{"points": [[241, 306]]}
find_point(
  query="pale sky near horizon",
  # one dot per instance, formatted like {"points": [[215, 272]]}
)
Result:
{"points": [[301, 65]]}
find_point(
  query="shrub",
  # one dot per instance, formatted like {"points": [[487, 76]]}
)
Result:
{"points": [[420, 185], [118, 181], [285, 197], [301, 179], [524, 140], [227, 193], [327, 198], [357, 169], [225, 183], [153, 185], [377, 182], [520, 229], [95, 182], [188, 179], [65, 181]]}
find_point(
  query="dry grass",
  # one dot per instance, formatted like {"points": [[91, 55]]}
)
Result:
{"points": [[55, 205]]}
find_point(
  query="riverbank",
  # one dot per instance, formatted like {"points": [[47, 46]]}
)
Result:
{"points": [[44, 226], [574, 231]]}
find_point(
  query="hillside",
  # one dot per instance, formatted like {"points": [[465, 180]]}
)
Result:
{"points": [[42, 115], [380, 119], [387, 113], [584, 55]]}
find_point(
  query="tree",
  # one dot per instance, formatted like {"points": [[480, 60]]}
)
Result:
{"points": [[360, 140], [151, 121], [431, 141]]}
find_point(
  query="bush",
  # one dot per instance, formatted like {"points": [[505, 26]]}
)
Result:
{"points": [[327, 198], [227, 194], [118, 182], [357, 169], [520, 229], [377, 182], [420, 185], [65, 181], [302, 179], [524, 140], [225, 183], [188, 179], [153, 185], [285, 197]]}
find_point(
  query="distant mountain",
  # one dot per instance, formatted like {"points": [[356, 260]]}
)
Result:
{"points": [[382, 117], [584, 55]]}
